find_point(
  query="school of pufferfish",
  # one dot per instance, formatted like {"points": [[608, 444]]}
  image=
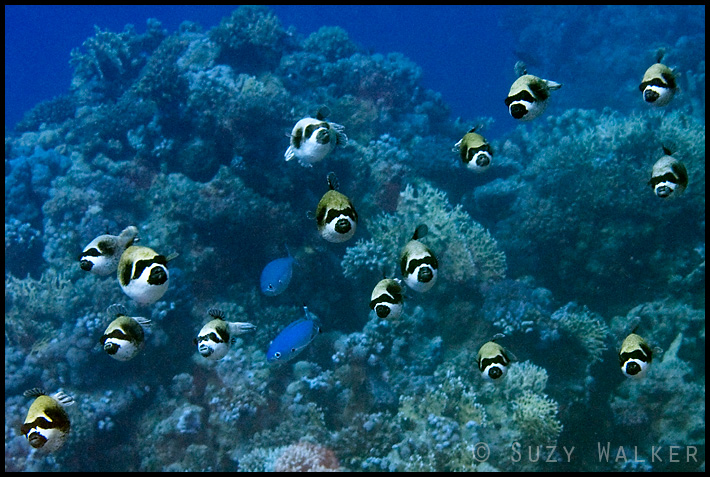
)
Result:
{"points": [[144, 277]]}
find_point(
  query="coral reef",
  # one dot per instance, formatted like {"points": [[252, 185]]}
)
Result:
{"points": [[617, 66], [582, 205], [465, 250]]}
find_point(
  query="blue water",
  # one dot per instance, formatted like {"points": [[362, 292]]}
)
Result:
{"points": [[464, 52], [558, 250]]}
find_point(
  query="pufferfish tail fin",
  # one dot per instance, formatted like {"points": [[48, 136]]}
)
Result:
{"points": [[341, 139]]}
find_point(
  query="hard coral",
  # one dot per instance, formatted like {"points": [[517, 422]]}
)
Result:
{"points": [[332, 43], [536, 417], [251, 39], [307, 457], [466, 251], [111, 60], [583, 216]]}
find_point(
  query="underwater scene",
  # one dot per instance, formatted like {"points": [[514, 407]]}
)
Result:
{"points": [[245, 247]]}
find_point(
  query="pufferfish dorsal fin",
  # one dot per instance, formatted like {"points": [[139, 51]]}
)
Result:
{"points": [[216, 313], [420, 231], [116, 309], [333, 181], [322, 113], [35, 392], [660, 53], [520, 68]]}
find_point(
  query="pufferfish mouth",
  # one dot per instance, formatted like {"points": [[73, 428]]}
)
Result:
{"points": [[205, 350], [382, 311], [157, 276], [518, 110], [482, 160], [86, 265], [425, 275], [111, 348], [650, 95], [36, 440], [663, 191], [323, 136], [343, 226]]}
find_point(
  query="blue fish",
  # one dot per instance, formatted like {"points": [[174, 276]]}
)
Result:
{"points": [[294, 338], [276, 276]]}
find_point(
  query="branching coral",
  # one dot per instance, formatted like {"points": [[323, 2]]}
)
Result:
{"points": [[465, 250], [587, 328], [251, 38], [31, 303], [111, 59], [307, 457], [452, 398], [522, 377], [332, 43], [536, 417], [515, 305], [442, 422]]}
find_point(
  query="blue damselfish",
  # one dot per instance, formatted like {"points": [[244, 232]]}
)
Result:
{"points": [[294, 338], [276, 276]]}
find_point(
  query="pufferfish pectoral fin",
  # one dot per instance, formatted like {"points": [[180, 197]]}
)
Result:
{"points": [[553, 85], [238, 327], [289, 154]]}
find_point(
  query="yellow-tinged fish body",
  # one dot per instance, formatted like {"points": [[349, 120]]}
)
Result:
{"points": [[493, 361], [418, 264], [335, 214], [47, 423], [635, 356], [143, 274]]}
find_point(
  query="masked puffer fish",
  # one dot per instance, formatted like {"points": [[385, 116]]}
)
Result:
{"points": [[313, 139], [294, 338], [528, 96], [418, 264], [475, 151], [658, 85], [47, 423], [102, 254], [335, 214], [143, 274], [124, 338], [387, 298], [669, 177], [493, 361], [216, 337], [635, 356]]}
